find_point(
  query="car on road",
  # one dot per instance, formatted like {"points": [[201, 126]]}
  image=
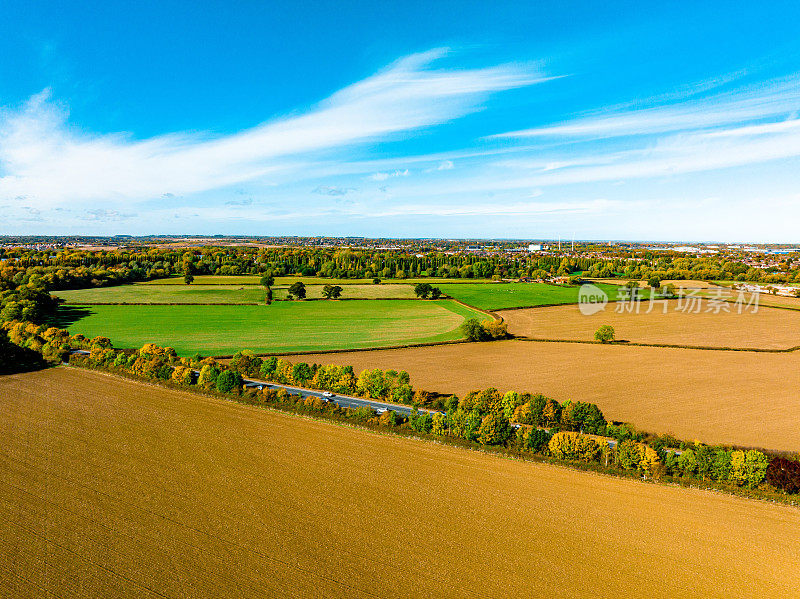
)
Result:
{"points": [[327, 394]]}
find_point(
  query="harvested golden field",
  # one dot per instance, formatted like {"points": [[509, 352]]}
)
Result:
{"points": [[745, 398], [764, 299], [112, 488], [685, 283], [766, 328]]}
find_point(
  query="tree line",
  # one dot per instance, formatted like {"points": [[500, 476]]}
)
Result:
{"points": [[520, 423]]}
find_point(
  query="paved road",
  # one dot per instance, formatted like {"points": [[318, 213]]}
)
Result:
{"points": [[345, 401]]}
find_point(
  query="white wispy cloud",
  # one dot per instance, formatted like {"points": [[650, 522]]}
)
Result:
{"points": [[770, 100], [746, 126], [45, 158], [384, 176]]}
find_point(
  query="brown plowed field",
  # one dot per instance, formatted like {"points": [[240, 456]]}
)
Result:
{"points": [[110, 488], [745, 398], [767, 328]]}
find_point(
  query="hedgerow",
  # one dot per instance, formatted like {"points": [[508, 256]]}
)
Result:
{"points": [[520, 423]]}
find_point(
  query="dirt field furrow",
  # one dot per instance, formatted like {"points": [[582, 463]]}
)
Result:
{"points": [[664, 323], [116, 489], [742, 398]]}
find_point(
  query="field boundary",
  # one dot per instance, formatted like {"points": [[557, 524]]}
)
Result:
{"points": [[358, 349], [663, 345], [489, 313], [164, 303], [499, 452]]}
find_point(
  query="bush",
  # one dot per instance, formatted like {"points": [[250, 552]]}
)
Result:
{"points": [[495, 329], [784, 474], [574, 446], [363, 414], [605, 334], [228, 381], [537, 439], [475, 330], [748, 467], [494, 430]]}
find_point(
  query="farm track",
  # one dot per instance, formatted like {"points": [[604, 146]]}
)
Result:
{"points": [[127, 490]]}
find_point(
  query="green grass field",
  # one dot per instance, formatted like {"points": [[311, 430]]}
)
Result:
{"points": [[217, 294], [165, 294], [499, 296], [281, 327]]}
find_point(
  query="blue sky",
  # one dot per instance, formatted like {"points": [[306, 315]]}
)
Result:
{"points": [[667, 121]]}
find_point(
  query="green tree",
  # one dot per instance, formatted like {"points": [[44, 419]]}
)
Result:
{"points": [[267, 280], [439, 424], [654, 282], [228, 381], [628, 455], [436, 293], [332, 291], [494, 429], [188, 278], [302, 373], [298, 290], [423, 290], [605, 334], [536, 439], [748, 467], [687, 462], [473, 330]]}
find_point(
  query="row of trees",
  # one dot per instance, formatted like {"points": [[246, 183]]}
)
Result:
{"points": [[487, 330], [572, 431]]}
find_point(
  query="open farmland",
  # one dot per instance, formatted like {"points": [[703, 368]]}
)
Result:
{"points": [[715, 396], [140, 293], [763, 299], [283, 326], [210, 280], [113, 488], [308, 280], [357, 291], [767, 328], [165, 294], [496, 296]]}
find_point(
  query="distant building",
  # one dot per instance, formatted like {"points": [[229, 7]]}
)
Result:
{"points": [[535, 247]]}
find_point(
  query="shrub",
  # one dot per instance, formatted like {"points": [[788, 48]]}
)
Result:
{"points": [[208, 375], [494, 429], [537, 439], [637, 456], [748, 468], [473, 330], [574, 446], [439, 424], [363, 414], [388, 418], [228, 381], [784, 474], [605, 334], [495, 329], [182, 375]]}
